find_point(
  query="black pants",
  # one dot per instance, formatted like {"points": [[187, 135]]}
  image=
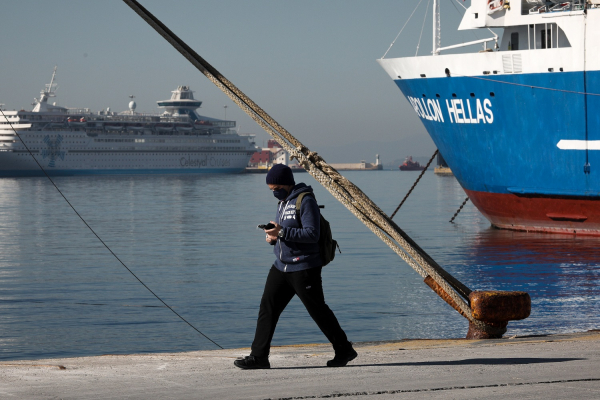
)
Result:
{"points": [[279, 290]]}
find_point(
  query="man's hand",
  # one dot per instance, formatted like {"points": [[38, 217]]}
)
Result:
{"points": [[271, 241], [272, 233]]}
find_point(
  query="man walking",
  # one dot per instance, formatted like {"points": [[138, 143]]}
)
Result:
{"points": [[296, 271]]}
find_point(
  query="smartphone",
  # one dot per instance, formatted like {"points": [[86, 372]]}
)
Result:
{"points": [[266, 227]]}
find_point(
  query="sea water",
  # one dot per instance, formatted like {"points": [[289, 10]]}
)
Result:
{"points": [[193, 241]]}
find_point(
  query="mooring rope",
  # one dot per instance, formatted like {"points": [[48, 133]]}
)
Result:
{"points": [[98, 237], [414, 184], [341, 188]]}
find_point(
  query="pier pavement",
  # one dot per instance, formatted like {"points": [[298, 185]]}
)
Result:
{"points": [[562, 366]]}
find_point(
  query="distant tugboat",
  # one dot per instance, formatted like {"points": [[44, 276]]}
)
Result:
{"points": [[410, 165]]}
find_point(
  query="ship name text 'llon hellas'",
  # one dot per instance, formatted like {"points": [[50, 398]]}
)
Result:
{"points": [[458, 111]]}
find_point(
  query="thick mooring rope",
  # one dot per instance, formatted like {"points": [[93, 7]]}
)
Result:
{"points": [[341, 188]]}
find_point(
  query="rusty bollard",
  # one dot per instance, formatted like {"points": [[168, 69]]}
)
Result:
{"points": [[496, 308], [493, 307]]}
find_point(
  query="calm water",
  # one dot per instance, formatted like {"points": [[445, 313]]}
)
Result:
{"points": [[193, 240]]}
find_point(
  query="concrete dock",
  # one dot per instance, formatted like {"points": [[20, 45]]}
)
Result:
{"points": [[557, 366]]}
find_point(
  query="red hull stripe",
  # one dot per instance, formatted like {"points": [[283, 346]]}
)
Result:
{"points": [[539, 214]]}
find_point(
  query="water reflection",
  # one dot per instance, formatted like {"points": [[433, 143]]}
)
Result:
{"points": [[561, 273]]}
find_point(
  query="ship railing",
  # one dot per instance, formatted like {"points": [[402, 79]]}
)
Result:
{"points": [[138, 114], [456, 46], [128, 119], [223, 124], [72, 111]]}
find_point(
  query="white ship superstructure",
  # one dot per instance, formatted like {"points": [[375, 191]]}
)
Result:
{"points": [[67, 141]]}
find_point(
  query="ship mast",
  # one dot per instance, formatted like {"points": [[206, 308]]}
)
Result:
{"points": [[50, 87], [436, 28]]}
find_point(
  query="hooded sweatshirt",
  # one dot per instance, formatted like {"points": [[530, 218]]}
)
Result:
{"points": [[298, 249]]}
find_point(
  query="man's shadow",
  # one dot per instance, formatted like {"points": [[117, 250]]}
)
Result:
{"points": [[469, 361]]}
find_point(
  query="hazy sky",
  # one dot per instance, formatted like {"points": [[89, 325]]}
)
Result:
{"points": [[309, 63]]}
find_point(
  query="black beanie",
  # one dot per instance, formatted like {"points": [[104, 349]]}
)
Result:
{"points": [[280, 174]]}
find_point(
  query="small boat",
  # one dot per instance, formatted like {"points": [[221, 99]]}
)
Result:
{"points": [[410, 165]]}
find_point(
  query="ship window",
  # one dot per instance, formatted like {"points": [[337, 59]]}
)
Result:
{"points": [[514, 41], [546, 38]]}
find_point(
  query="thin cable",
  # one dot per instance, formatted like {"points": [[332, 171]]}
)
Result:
{"points": [[398, 35], [461, 4], [98, 237], [414, 184], [422, 26], [473, 33], [459, 13], [459, 210]]}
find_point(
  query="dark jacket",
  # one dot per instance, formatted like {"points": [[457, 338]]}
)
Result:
{"points": [[299, 248]]}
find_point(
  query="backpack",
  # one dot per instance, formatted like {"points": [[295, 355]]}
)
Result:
{"points": [[326, 243]]}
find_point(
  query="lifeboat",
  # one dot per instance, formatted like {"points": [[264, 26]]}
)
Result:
{"points": [[113, 126], [495, 5], [57, 124], [201, 123], [184, 127], [76, 121], [164, 127], [136, 127]]}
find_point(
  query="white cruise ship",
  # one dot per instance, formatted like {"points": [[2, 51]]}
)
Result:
{"points": [[67, 141]]}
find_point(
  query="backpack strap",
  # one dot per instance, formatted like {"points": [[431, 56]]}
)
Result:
{"points": [[299, 204]]}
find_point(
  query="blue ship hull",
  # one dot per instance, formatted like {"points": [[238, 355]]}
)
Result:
{"points": [[511, 142]]}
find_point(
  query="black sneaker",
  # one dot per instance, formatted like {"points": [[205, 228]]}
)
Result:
{"points": [[340, 360], [251, 362]]}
